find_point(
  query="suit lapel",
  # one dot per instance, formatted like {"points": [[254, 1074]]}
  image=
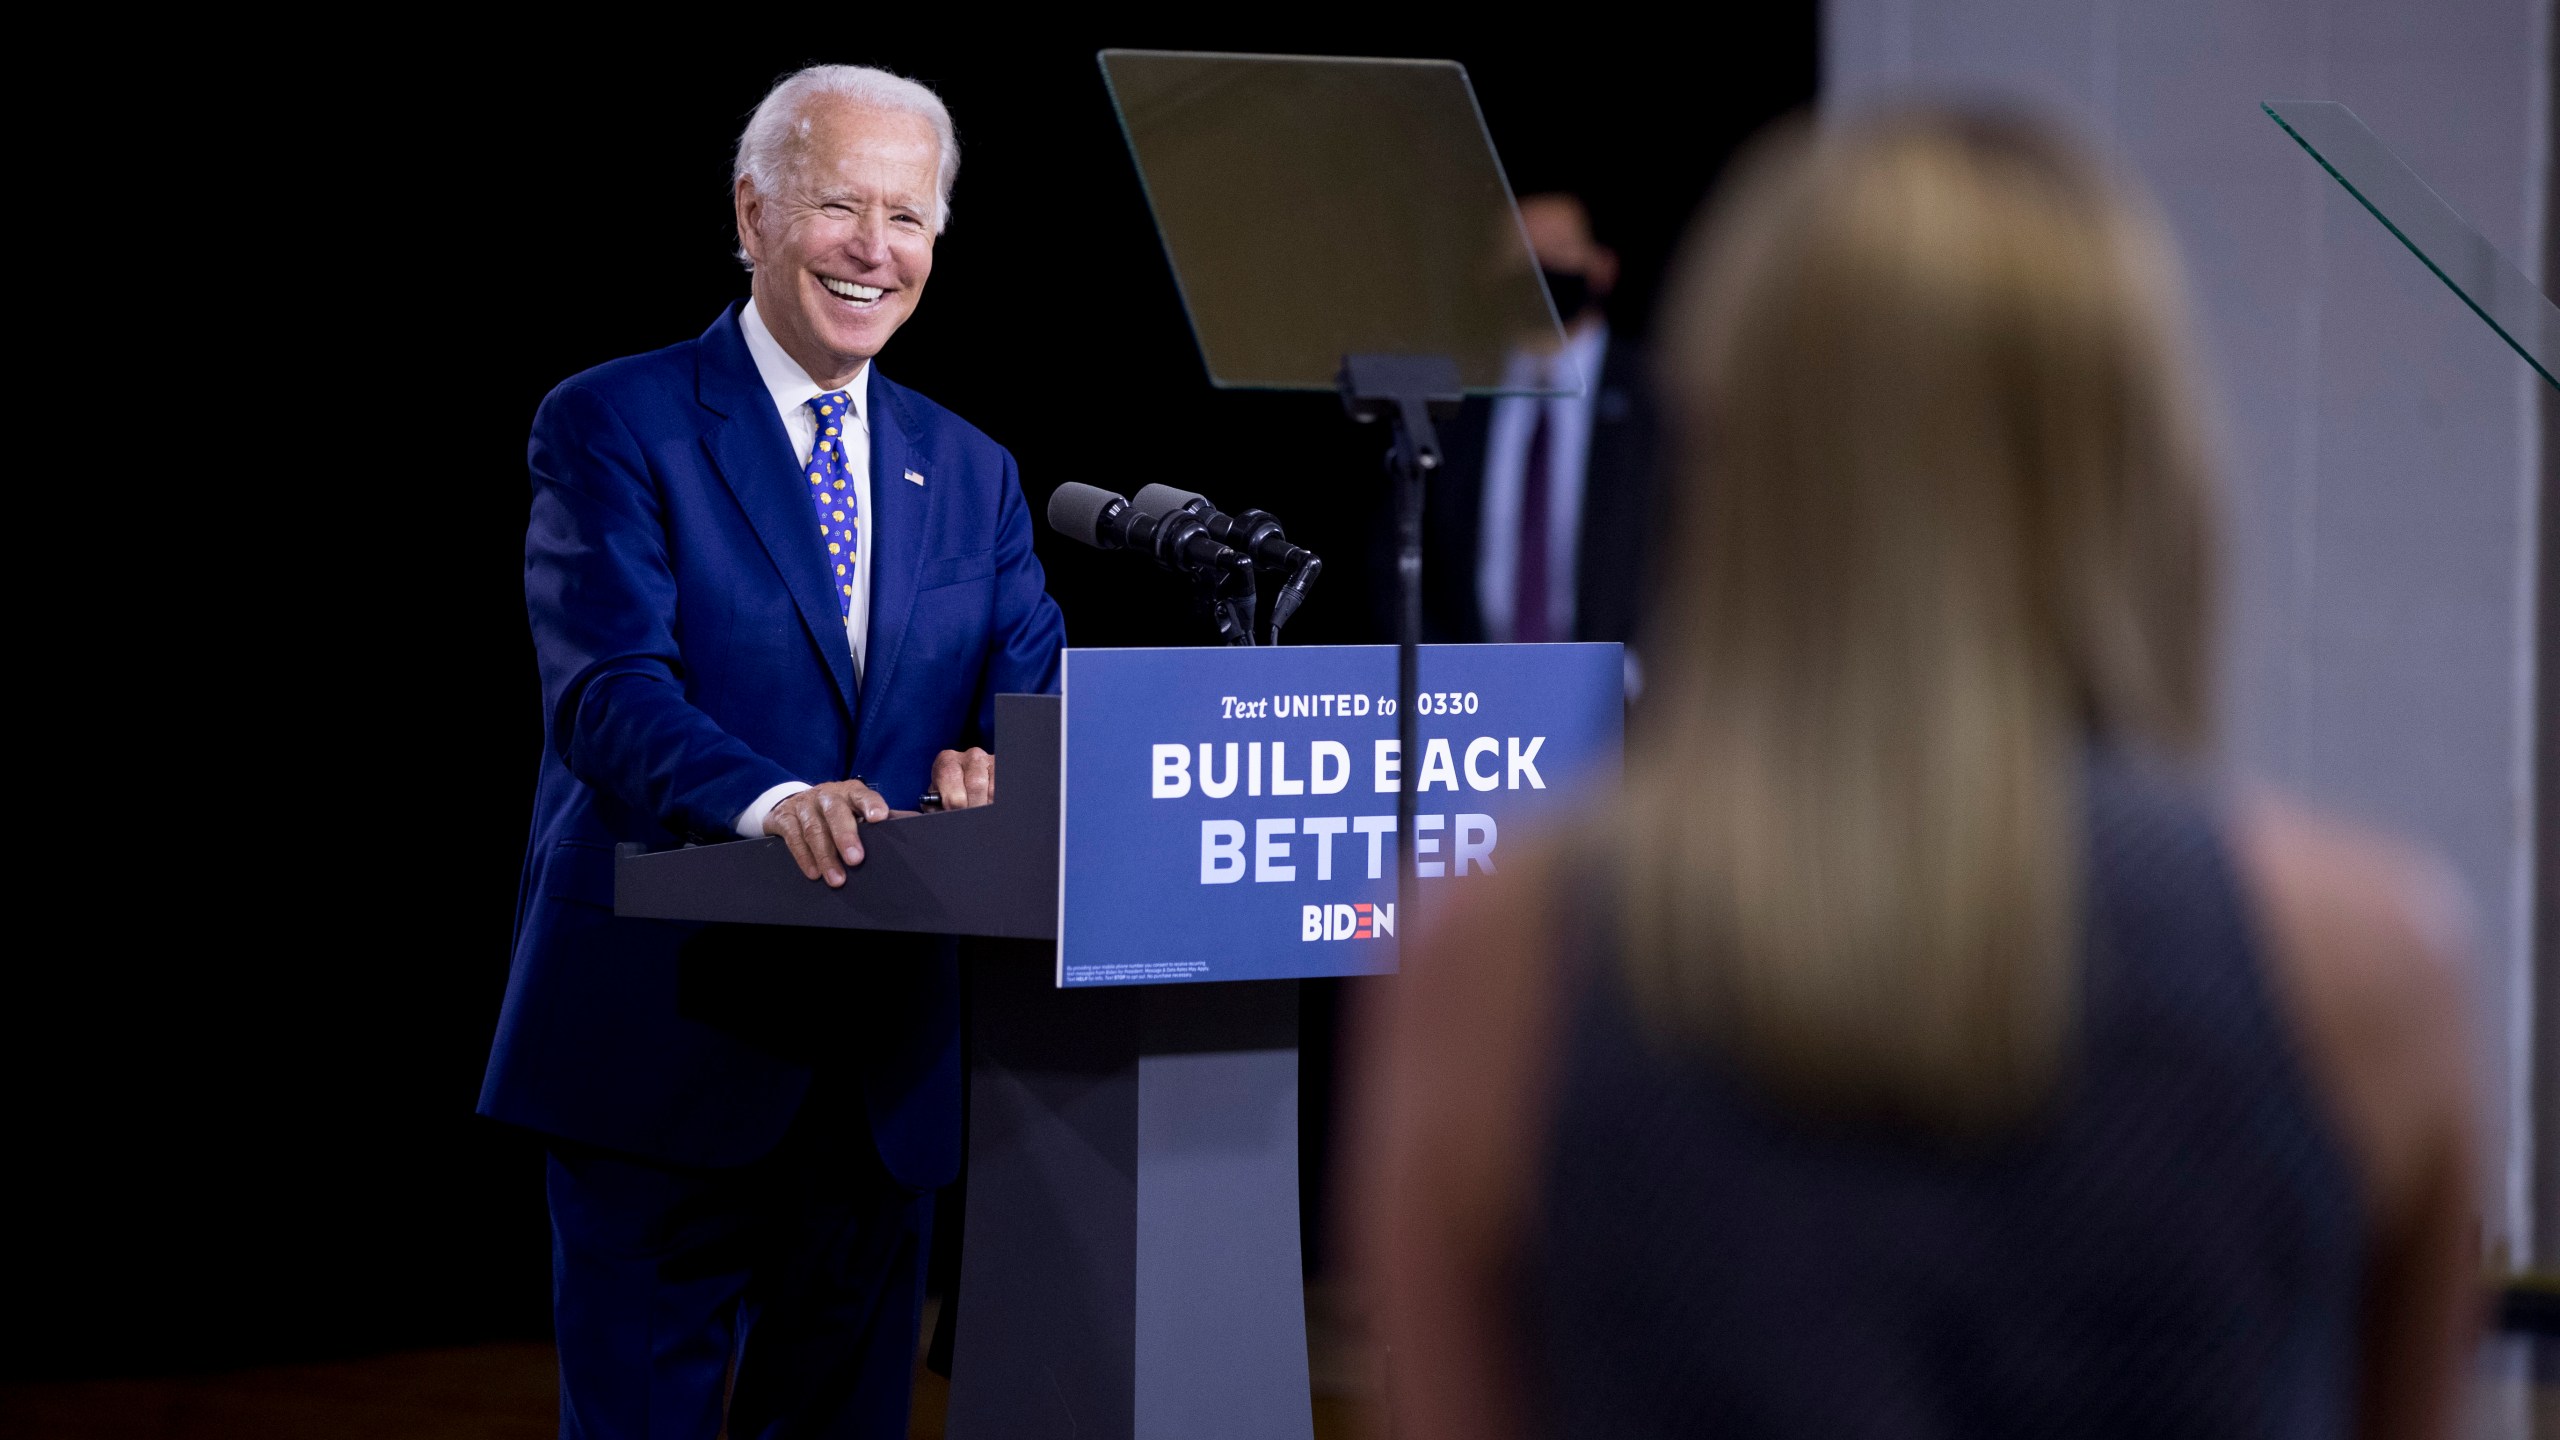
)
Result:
{"points": [[753, 454], [900, 508]]}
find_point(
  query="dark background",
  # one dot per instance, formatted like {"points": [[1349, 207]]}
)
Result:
{"points": [[242, 1126]]}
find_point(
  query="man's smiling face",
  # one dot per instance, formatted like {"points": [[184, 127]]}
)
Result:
{"points": [[843, 247]]}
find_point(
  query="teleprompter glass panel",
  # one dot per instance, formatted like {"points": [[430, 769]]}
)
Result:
{"points": [[1316, 207], [2459, 254]]}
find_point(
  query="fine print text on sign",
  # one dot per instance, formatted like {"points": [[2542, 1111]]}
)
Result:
{"points": [[1230, 814]]}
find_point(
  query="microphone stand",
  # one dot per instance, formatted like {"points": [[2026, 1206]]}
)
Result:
{"points": [[1404, 390], [1292, 593], [1226, 599]]}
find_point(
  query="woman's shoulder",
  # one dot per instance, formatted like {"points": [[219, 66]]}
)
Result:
{"points": [[2364, 939], [1482, 969], [1462, 1042]]}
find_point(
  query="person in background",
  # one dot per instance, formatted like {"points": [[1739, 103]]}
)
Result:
{"points": [[1540, 524], [1537, 526], [1926, 1042]]}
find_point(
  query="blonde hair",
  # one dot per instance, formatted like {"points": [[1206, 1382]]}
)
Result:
{"points": [[1944, 518]]}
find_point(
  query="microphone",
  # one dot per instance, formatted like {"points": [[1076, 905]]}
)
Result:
{"points": [[1178, 541], [1255, 532]]}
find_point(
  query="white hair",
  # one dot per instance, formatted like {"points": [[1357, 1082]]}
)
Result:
{"points": [[781, 122]]}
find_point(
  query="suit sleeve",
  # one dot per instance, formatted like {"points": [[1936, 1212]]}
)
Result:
{"points": [[1022, 651], [601, 593]]}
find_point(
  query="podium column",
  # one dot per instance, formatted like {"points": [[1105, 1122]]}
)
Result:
{"points": [[1131, 1263]]}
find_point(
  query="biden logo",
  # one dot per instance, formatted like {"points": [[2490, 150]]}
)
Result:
{"points": [[1346, 922]]}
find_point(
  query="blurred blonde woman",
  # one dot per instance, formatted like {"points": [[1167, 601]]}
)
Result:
{"points": [[1927, 1044]]}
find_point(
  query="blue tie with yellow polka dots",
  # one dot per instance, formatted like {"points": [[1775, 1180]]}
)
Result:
{"points": [[839, 512]]}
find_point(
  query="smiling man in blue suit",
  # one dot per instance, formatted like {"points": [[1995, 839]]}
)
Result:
{"points": [[768, 588]]}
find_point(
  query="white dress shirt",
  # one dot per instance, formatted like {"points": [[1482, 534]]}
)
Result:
{"points": [[792, 389], [1576, 370]]}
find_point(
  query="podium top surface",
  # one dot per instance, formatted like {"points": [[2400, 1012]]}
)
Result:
{"points": [[987, 871], [1319, 207]]}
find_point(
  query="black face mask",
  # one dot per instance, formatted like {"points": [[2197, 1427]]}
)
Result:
{"points": [[1571, 292]]}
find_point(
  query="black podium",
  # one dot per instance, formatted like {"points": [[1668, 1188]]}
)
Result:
{"points": [[1131, 1263]]}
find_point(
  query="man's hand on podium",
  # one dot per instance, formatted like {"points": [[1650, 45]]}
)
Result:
{"points": [[823, 826], [964, 778]]}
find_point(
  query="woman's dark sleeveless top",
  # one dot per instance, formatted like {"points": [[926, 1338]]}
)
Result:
{"points": [[2173, 1249]]}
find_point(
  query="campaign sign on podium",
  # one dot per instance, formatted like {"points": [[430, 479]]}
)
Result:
{"points": [[1230, 813]]}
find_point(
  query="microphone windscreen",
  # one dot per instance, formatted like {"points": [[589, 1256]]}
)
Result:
{"points": [[1164, 499], [1075, 511]]}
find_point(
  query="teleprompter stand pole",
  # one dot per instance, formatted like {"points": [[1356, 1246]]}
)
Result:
{"points": [[1405, 390]]}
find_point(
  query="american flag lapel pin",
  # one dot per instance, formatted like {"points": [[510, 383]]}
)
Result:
{"points": [[914, 479]]}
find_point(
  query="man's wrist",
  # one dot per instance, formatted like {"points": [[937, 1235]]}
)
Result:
{"points": [[751, 820]]}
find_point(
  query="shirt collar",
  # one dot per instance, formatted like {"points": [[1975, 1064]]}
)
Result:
{"points": [[1575, 369], [790, 385], [1581, 358]]}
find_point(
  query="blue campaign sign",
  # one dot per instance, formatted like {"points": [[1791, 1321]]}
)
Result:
{"points": [[1229, 814]]}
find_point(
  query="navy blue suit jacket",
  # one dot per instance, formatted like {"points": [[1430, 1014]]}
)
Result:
{"points": [[693, 656]]}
